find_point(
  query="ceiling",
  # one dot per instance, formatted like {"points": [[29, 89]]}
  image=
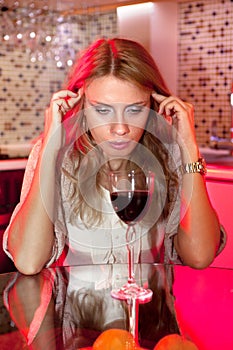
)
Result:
{"points": [[64, 5], [71, 5], [74, 6]]}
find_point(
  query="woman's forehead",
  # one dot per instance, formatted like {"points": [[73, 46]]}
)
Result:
{"points": [[110, 89]]}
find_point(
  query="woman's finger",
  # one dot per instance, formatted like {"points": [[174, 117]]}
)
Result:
{"points": [[64, 94], [158, 98], [65, 100], [170, 104]]}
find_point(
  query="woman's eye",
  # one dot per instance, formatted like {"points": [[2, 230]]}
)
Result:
{"points": [[103, 110], [134, 110]]}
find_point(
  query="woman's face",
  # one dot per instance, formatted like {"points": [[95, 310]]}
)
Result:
{"points": [[116, 113]]}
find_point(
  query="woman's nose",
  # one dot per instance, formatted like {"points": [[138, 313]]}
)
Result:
{"points": [[120, 128]]}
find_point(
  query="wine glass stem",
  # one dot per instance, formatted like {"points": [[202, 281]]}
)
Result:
{"points": [[130, 233]]}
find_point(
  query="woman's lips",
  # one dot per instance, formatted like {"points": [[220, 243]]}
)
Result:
{"points": [[119, 145]]}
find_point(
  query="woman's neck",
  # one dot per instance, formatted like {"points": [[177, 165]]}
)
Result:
{"points": [[117, 164]]}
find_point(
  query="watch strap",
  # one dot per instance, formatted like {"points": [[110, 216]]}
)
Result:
{"points": [[195, 167]]}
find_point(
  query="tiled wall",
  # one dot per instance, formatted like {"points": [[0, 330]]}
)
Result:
{"points": [[26, 87], [206, 63]]}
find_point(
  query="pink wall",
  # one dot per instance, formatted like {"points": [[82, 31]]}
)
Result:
{"points": [[164, 34], [155, 26]]}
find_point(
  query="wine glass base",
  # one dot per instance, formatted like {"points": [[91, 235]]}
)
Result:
{"points": [[132, 291]]}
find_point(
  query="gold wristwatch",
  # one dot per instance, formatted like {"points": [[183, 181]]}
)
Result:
{"points": [[195, 167]]}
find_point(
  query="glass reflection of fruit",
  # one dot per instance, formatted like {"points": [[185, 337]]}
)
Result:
{"points": [[118, 339]]}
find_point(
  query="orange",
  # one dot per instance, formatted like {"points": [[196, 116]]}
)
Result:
{"points": [[175, 342], [115, 339]]}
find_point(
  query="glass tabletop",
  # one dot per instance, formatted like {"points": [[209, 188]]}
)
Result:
{"points": [[70, 307]]}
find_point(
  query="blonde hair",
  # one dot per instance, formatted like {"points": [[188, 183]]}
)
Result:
{"points": [[126, 60]]}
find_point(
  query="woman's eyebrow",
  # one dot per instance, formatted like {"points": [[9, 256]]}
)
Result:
{"points": [[94, 102], [141, 103]]}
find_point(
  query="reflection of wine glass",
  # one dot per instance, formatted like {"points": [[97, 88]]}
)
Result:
{"points": [[130, 192]]}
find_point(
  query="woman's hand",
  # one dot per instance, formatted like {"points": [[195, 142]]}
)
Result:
{"points": [[180, 114], [61, 103]]}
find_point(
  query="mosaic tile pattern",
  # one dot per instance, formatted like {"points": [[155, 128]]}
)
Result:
{"points": [[206, 63], [26, 88]]}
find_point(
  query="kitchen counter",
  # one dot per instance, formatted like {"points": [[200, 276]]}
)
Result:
{"points": [[13, 164], [202, 304], [219, 172]]}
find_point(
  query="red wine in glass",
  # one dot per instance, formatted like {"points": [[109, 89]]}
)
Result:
{"points": [[130, 193], [130, 205]]}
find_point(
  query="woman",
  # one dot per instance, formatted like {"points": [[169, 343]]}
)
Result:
{"points": [[96, 125]]}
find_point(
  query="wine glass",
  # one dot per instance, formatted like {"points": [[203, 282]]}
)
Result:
{"points": [[130, 193]]}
